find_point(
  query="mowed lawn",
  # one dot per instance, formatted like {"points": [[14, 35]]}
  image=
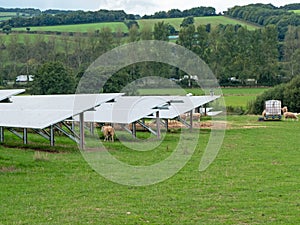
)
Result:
{"points": [[254, 180]]}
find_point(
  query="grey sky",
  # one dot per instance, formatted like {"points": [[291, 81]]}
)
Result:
{"points": [[134, 6]]}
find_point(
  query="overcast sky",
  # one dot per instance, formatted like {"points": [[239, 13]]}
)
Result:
{"points": [[140, 7]]}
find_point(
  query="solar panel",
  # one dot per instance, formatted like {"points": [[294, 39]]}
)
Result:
{"points": [[4, 94], [125, 110], [41, 111], [187, 104]]}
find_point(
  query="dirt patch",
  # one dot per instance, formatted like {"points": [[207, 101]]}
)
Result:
{"points": [[8, 169]]}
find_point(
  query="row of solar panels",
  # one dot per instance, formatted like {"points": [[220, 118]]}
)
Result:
{"points": [[41, 111]]}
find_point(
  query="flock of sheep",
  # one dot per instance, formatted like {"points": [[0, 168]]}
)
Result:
{"points": [[286, 114]]}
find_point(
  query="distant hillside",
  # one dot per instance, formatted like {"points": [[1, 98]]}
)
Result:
{"points": [[121, 27], [268, 14]]}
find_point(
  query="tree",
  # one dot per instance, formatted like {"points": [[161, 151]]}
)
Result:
{"points": [[53, 78], [187, 21], [161, 31], [187, 37], [133, 34], [6, 29], [291, 51]]}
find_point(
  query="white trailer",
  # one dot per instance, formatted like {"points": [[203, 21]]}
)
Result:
{"points": [[272, 110]]}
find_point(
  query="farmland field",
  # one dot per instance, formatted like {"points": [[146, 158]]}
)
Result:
{"points": [[296, 11], [119, 26], [213, 20], [91, 27], [253, 180]]}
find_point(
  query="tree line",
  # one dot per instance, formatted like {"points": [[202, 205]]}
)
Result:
{"points": [[176, 13], [72, 17], [230, 51], [267, 14], [66, 17]]}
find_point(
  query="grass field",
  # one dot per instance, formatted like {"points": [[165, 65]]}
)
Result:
{"points": [[296, 11], [91, 27], [236, 97], [254, 180], [119, 26]]}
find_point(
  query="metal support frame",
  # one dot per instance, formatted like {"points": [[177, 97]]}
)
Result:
{"points": [[147, 128], [81, 131], [25, 136], [12, 130], [72, 137], [191, 120], [1, 134], [92, 128], [42, 133], [158, 125], [52, 139], [183, 122], [133, 129], [167, 124]]}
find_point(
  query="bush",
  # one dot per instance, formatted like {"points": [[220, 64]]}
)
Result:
{"points": [[288, 94]]}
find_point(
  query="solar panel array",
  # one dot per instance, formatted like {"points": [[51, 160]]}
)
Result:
{"points": [[5, 94], [42, 111]]}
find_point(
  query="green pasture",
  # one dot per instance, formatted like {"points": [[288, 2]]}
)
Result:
{"points": [[9, 14], [91, 27], [119, 26], [213, 20], [253, 180], [236, 97], [296, 11]]}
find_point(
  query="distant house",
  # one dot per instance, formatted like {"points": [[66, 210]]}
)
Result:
{"points": [[24, 78]]}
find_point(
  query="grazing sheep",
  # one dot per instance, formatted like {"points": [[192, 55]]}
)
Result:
{"points": [[108, 132], [284, 109], [196, 116], [290, 115], [183, 116]]}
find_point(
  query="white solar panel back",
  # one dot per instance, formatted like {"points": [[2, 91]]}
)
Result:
{"points": [[4, 94], [125, 110], [44, 110]]}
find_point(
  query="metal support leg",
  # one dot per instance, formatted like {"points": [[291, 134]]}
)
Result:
{"points": [[167, 124], [92, 128], [1, 134], [25, 136], [157, 125], [134, 129], [81, 131], [52, 140], [191, 120]]}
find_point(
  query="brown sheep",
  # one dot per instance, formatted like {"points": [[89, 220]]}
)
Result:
{"points": [[108, 132], [290, 115], [284, 109]]}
